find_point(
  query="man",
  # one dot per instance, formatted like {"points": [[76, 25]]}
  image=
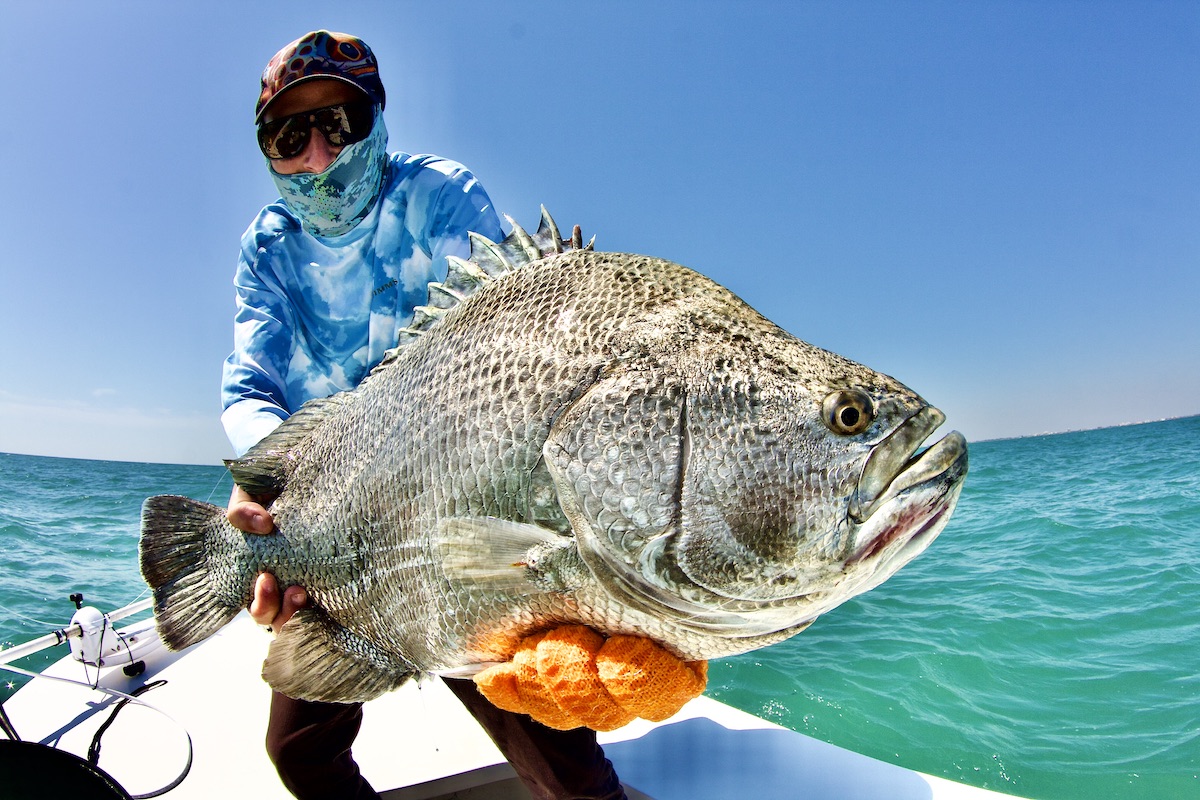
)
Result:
{"points": [[327, 276]]}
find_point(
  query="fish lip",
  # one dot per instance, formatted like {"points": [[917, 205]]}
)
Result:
{"points": [[894, 465], [914, 509]]}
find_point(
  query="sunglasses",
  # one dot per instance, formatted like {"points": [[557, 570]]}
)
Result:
{"points": [[343, 124]]}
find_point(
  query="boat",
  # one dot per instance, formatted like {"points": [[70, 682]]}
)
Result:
{"points": [[191, 724]]}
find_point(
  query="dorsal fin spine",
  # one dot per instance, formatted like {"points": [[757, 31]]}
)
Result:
{"points": [[463, 276], [489, 256], [548, 230], [442, 296], [523, 240], [489, 260]]}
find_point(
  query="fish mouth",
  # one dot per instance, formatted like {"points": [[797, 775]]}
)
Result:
{"points": [[895, 467]]}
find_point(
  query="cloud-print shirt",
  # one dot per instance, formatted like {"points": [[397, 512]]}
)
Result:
{"points": [[314, 314]]}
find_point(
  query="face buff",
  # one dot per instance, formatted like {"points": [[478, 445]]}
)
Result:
{"points": [[331, 203]]}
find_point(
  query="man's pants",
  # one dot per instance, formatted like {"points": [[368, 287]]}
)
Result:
{"points": [[310, 743]]}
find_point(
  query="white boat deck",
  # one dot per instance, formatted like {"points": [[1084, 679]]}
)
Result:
{"points": [[419, 743]]}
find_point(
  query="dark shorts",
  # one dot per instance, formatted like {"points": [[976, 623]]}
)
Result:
{"points": [[310, 743]]}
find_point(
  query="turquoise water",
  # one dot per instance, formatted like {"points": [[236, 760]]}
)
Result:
{"points": [[1047, 645]]}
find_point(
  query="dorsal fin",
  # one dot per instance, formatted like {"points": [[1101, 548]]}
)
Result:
{"points": [[266, 467], [489, 260]]}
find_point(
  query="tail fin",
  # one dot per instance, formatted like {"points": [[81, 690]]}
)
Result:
{"points": [[179, 538]]}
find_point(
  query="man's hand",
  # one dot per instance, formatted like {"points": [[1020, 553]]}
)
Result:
{"points": [[268, 608], [572, 676], [249, 515]]}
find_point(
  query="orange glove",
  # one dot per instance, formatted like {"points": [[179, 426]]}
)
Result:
{"points": [[571, 677]]}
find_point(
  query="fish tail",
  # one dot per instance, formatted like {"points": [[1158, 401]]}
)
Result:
{"points": [[188, 552]]}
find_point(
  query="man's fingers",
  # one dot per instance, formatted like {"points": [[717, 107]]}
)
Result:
{"points": [[247, 514], [250, 518], [268, 608], [566, 664], [294, 599], [265, 606], [646, 679]]}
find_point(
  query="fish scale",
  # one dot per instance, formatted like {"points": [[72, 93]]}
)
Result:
{"points": [[564, 436]]}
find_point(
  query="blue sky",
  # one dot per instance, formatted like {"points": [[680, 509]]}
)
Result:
{"points": [[996, 203]]}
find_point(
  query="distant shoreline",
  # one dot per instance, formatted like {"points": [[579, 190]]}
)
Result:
{"points": [[975, 441]]}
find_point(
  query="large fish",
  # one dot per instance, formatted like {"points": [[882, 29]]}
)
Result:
{"points": [[564, 436]]}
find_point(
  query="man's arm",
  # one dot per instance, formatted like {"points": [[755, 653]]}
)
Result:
{"points": [[252, 396], [458, 204]]}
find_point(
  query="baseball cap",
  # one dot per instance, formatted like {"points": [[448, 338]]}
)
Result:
{"points": [[321, 54]]}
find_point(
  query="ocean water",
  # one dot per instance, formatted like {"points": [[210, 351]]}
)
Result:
{"points": [[1046, 645]]}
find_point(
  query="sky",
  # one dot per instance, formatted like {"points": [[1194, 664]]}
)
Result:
{"points": [[996, 203]]}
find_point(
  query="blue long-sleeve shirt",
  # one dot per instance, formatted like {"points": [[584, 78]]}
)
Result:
{"points": [[315, 314]]}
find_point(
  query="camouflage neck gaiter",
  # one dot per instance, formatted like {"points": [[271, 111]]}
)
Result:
{"points": [[331, 203]]}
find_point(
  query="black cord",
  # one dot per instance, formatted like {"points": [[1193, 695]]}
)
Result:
{"points": [[93, 755], [7, 726], [94, 750]]}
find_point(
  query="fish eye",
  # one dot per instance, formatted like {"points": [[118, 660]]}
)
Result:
{"points": [[847, 412]]}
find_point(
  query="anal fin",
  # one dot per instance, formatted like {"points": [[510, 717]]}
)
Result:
{"points": [[315, 658]]}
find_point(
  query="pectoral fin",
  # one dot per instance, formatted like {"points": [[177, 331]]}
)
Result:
{"points": [[508, 557]]}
